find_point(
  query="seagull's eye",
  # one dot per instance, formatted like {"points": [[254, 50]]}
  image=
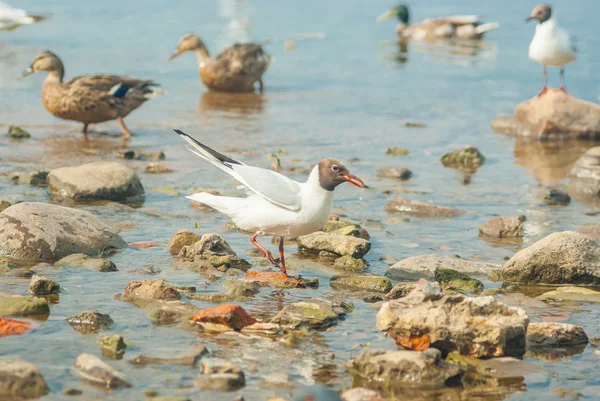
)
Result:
{"points": [[335, 168]]}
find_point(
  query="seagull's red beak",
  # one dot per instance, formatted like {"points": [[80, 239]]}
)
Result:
{"points": [[354, 180]]}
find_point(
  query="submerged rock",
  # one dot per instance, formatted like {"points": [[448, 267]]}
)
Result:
{"points": [[190, 358], [88, 322], [420, 209], [552, 334], [448, 322], [20, 380], [424, 266], [584, 183], [555, 115], [396, 151], [142, 293], [411, 368], [33, 178], [452, 280], [220, 375], [399, 173], [565, 257], [23, 306], [93, 370], [503, 227], [466, 160], [44, 232], [16, 132], [82, 260], [338, 244], [334, 225], [312, 313], [361, 394], [96, 181], [275, 279], [571, 294], [180, 239], [213, 250], [361, 283], [42, 286], [241, 288], [555, 197], [229, 315], [113, 347], [169, 312], [350, 264]]}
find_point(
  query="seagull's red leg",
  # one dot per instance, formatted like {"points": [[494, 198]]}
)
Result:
{"points": [[281, 256], [545, 87], [562, 80], [264, 251]]}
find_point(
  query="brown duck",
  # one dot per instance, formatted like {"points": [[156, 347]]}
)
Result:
{"points": [[90, 99], [235, 69]]}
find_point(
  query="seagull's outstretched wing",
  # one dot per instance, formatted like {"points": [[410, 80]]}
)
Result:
{"points": [[274, 187]]}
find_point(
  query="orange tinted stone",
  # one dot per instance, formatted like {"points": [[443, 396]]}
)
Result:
{"points": [[143, 244], [275, 279], [415, 343], [230, 315], [11, 327]]}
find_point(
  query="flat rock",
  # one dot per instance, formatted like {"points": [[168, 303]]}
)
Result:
{"points": [[42, 286], [230, 315], [361, 394], [96, 181], [21, 380], [334, 225], [220, 375], [142, 293], [190, 358], [552, 334], [456, 281], [93, 370], [335, 243], [504, 227], [571, 294], [556, 197], [565, 257], [466, 160], [423, 266], [169, 312], [420, 209], [180, 239], [240, 288], [554, 115], [584, 183], [480, 327], [23, 305], [312, 313], [83, 260], [213, 250], [361, 283], [396, 151], [88, 322], [349, 264], [274, 279], [399, 173], [45, 232]]}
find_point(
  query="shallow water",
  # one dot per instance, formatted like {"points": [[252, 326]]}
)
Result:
{"points": [[347, 95]]}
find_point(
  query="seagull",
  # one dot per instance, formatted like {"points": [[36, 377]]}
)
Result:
{"points": [[551, 45], [277, 206], [12, 18]]}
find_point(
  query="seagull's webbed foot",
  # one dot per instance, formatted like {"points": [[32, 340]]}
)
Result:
{"points": [[543, 91], [268, 254]]}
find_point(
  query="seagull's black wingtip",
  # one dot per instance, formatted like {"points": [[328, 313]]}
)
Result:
{"points": [[180, 132]]}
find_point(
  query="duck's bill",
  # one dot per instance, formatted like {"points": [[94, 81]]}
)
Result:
{"points": [[386, 16], [27, 72], [174, 55], [354, 180]]}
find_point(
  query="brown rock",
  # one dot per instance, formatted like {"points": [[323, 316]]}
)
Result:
{"points": [[93, 370], [144, 292], [420, 209], [233, 316], [88, 322], [503, 227], [21, 380], [275, 279], [41, 286], [180, 239], [399, 173], [552, 334]]}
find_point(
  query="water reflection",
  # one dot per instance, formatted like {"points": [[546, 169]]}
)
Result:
{"points": [[236, 105], [459, 52]]}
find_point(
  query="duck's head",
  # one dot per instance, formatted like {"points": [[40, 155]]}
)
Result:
{"points": [[400, 12], [188, 42], [542, 13], [332, 173], [45, 61]]}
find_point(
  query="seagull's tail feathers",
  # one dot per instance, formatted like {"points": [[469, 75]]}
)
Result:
{"points": [[225, 204], [487, 27]]}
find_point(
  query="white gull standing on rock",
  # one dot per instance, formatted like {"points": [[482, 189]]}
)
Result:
{"points": [[278, 206], [551, 45]]}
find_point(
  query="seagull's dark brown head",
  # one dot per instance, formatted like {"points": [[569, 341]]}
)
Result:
{"points": [[542, 13], [333, 173]]}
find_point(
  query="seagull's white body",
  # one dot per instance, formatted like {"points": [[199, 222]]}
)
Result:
{"points": [[11, 18], [551, 45]]}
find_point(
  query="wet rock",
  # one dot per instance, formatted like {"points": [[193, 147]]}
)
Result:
{"points": [[400, 290], [350, 264], [404, 367], [142, 293], [584, 183], [88, 322], [565, 257], [503, 227], [571, 294], [215, 298], [82, 260], [423, 266], [23, 306], [4, 205], [158, 168], [420, 209], [555, 197], [185, 289], [41, 286], [448, 321], [563, 392], [361, 283], [44, 232], [452, 280], [34, 178], [396, 151], [361, 394], [220, 375], [72, 392], [275, 279], [169, 312], [348, 230], [263, 329], [17, 132], [338, 244], [277, 380], [313, 313], [166, 190], [96, 181], [113, 347], [399, 173], [466, 160], [93, 370], [334, 225], [180, 239], [229, 315], [21, 380], [213, 250], [551, 334], [241, 288], [190, 358], [13, 327]]}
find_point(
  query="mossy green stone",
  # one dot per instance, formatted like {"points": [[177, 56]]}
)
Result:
{"points": [[362, 283], [23, 306], [457, 281]]}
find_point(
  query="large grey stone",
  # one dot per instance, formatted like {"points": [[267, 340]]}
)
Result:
{"points": [[423, 266], [93, 370], [44, 232], [336, 243]]}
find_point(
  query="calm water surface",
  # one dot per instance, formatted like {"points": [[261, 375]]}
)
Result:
{"points": [[347, 95]]}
